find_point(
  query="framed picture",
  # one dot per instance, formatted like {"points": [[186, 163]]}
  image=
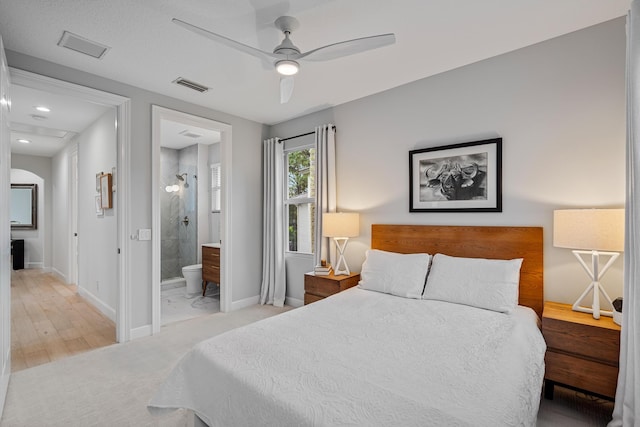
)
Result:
{"points": [[98, 175], [105, 191], [463, 177], [99, 210]]}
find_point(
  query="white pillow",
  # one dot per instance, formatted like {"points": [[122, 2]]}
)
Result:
{"points": [[393, 273], [484, 283]]}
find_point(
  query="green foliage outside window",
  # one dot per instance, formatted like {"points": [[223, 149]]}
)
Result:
{"points": [[300, 185]]}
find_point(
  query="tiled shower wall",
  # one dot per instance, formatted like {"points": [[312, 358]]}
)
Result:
{"points": [[178, 239]]}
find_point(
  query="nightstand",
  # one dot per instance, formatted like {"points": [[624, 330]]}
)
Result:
{"points": [[319, 287], [582, 352]]}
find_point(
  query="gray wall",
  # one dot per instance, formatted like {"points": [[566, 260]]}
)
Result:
{"points": [[559, 107], [246, 193], [60, 233], [97, 235]]}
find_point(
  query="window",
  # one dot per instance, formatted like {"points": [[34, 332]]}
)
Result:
{"points": [[216, 185], [300, 199]]}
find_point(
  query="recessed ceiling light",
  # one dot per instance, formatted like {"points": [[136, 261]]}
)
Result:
{"points": [[24, 141], [43, 109], [38, 117]]}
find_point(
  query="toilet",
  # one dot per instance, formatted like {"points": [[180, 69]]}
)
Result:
{"points": [[193, 276]]}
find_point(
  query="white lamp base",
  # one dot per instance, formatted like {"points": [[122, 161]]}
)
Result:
{"points": [[341, 244], [595, 274]]}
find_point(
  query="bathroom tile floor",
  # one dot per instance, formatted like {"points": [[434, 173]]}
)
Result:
{"points": [[176, 306]]}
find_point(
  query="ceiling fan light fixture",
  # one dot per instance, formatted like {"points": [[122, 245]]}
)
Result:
{"points": [[287, 67]]}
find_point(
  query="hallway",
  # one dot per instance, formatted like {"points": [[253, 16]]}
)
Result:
{"points": [[50, 321]]}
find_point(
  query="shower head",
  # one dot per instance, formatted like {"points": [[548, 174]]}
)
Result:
{"points": [[181, 177]]}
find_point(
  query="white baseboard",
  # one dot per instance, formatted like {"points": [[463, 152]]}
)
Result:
{"points": [[141, 332], [293, 302], [97, 303], [34, 265], [59, 275], [4, 382], [244, 303]]}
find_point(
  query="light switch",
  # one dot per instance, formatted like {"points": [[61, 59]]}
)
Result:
{"points": [[144, 234]]}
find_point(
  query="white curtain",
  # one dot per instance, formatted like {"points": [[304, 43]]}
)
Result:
{"points": [[273, 235], [627, 407], [325, 189]]}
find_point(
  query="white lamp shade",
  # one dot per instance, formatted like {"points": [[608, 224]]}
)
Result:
{"points": [[589, 229], [340, 224]]}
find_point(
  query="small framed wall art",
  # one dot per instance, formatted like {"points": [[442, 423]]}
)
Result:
{"points": [[464, 177], [106, 195], [99, 210], [98, 175]]}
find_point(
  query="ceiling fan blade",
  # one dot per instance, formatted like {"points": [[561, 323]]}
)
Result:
{"points": [[286, 89], [349, 47], [227, 41]]}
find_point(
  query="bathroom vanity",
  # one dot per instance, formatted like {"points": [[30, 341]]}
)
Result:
{"points": [[210, 264]]}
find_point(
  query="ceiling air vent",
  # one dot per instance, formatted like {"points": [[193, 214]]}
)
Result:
{"points": [[83, 45], [190, 134], [191, 85]]}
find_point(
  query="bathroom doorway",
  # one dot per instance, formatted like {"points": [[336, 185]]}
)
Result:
{"points": [[187, 153]]}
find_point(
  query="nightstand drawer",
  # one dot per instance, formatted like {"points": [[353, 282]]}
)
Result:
{"points": [[325, 286], [319, 287], [581, 373], [309, 298], [572, 338]]}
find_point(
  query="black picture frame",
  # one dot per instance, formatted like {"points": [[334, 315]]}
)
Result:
{"points": [[465, 177]]}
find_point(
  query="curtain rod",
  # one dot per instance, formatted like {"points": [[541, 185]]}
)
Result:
{"points": [[301, 135]]}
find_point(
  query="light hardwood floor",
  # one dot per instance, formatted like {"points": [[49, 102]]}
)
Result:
{"points": [[50, 321]]}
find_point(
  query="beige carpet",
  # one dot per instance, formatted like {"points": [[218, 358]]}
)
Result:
{"points": [[111, 386]]}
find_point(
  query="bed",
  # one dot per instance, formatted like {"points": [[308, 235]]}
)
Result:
{"points": [[374, 358]]}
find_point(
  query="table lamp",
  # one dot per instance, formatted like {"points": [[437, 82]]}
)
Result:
{"points": [[341, 226], [594, 232]]}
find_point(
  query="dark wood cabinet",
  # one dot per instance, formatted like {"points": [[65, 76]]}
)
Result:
{"points": [[17, 253], [210, 266]]}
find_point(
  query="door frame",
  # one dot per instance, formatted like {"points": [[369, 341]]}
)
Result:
{"points": [[72, 156], [158, 114], [123, 212]]}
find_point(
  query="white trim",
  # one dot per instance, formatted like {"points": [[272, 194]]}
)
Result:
{"points": [[141, 332], [72, 191], [123, 114], [124, 207], [98, 303], [34, 264], [244, 303], [4, 382], [293, 302], [59, 275], [159, 113]]}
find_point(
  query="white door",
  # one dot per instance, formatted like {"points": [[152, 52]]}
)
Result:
{"points": [[5, 230], [73, 195]]}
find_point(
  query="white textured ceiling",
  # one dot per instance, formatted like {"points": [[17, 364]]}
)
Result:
{"points": [[48, 132], [149, 51]]}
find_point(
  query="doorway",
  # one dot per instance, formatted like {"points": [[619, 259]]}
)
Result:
{"points": [[205, 223], [121, 106]]}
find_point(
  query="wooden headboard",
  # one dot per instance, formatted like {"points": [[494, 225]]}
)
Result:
{"points": [[473, 242]]}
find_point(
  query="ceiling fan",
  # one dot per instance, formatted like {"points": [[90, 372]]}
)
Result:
{"points": [[286, 55]]}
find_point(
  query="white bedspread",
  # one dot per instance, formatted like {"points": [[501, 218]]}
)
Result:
{"points": [[364, 358]]}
